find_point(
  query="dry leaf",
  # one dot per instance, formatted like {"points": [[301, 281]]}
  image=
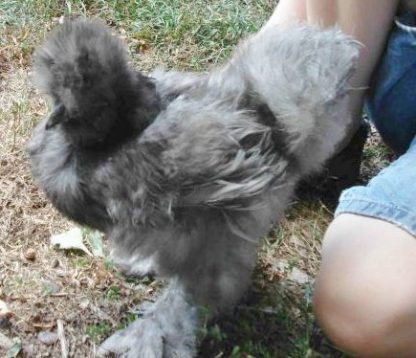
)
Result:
{"points": [[298, 276], [70, 240], [15, 349], [5, 342], [5, 312]]}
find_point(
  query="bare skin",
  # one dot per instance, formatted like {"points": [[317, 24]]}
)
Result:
{"points": [[365, 294], [365, 297]]}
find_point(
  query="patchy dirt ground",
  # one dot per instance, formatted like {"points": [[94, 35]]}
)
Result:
{"points": [[66, 301]]}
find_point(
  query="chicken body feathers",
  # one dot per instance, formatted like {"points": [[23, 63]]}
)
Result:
{"points": [[202, 164]]}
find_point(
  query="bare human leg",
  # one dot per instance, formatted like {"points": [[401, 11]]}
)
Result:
{"points": [[365, 294]]}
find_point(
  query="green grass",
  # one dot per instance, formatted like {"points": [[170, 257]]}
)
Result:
{"points": [[130, 318], [380, 154], [113, 293], [186, 34], [97, 332], [81, 262]]}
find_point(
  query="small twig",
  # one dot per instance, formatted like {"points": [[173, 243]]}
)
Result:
{"points": [[60, 294], [326, 208], [43, 325], [62, 340]]}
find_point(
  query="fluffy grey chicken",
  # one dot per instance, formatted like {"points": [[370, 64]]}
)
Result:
{"points": [[185, 172]]}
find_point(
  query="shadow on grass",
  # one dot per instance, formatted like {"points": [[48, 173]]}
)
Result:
{"points": [[274, 320]]}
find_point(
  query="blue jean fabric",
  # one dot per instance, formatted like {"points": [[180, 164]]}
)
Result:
{"points": [[390, 196], [391, 105]]}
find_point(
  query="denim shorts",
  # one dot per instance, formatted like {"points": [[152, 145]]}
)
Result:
{"points": [[391, 106], [390, 196]]}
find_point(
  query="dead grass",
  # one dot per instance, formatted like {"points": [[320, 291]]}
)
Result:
{"points": [[90, 297]]}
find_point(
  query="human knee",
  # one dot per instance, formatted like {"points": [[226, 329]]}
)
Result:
{"points": [[361, 303], [360, 326], [341, 313]]}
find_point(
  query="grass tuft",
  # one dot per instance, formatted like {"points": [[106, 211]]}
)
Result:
{"points": [[97, 332]]}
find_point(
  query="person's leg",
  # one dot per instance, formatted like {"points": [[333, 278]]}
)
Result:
{"points": [[288, 12], [365, 294], [367, 21], [322, 12]]}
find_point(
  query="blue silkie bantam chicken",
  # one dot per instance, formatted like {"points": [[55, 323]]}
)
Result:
{"points": [[185, 172]]}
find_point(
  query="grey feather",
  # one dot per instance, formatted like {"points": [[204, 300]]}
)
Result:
{"points": [[185, 172]]}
